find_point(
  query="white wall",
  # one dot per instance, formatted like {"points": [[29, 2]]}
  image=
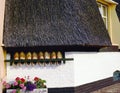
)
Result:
{"points": [[94, 66], [86, 67], [56, 76]]}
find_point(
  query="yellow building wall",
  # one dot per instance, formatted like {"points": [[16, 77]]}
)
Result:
{"points": [[2, 66], [113, 22], [114, 27]]}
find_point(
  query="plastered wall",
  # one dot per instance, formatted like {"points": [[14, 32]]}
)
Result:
{"points": [[85, 68], [55, 75]]}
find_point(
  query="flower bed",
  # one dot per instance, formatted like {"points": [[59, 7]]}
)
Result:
{"points": [[23, 85]]}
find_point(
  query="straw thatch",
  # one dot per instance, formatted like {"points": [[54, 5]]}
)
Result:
{"points": [[53, 22]]}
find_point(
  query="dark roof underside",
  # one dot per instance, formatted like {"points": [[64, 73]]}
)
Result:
{"points": [[118, 8], [118, 1], [53, 22]]}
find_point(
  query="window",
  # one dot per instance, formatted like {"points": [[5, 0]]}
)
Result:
{"points": [[104, 13]]}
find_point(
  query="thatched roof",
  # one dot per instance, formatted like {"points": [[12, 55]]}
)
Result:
{"points": [[118, 8], [118, 1], [53, 22]]}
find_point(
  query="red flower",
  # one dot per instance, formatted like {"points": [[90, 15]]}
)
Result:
{"points": [[17, 79], [22, 80], [36, 79]]}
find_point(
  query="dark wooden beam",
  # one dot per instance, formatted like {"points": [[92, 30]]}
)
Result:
{"points": [[109, 49]]}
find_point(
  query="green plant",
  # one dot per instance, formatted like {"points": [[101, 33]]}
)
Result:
{"points": [[39, 82]]}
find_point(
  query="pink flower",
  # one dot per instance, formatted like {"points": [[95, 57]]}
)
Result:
{"points": [[15, 83], [7, 85], [24, 88], [4, 83], [21, 85]]}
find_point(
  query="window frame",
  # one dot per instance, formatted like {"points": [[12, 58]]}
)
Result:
{"points": [[103, 13]]}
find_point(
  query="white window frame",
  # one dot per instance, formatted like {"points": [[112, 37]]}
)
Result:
{"points": [[101, 9]]}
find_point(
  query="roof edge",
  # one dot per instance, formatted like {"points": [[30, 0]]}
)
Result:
{"points": [[111, 2], [66, 48]]}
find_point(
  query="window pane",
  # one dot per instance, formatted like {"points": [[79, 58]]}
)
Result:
{"points": [[105, 21], [104, 11]]}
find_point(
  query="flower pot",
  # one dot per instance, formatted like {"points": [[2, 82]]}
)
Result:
{"points": [[12, 91], [41, 90]]}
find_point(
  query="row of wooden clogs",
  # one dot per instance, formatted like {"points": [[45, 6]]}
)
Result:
{"points": [[40, 55]]}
